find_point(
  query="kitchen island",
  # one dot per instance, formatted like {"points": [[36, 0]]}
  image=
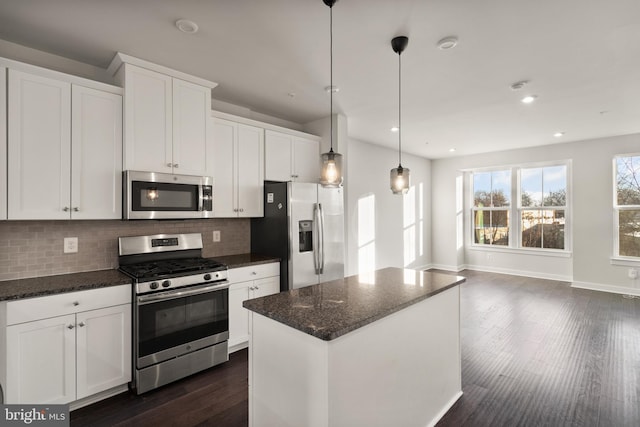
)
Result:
{"points": [[377, 349]]}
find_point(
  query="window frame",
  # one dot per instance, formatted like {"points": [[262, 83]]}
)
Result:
{"points": [[617, 258], [506, 208], [515, 209]]}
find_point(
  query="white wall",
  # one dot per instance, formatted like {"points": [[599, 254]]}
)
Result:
{"points": [[592, 214], [368, 185]]}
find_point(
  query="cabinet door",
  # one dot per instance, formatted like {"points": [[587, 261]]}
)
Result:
{"points": [[148, 120], [39, 147], [306, 160], [96, 162], [250, 175], [278, 156], [224, 168], [266, 286], [3, 143], [238, 315], [103, 349], [42, 357], [191, 110]]}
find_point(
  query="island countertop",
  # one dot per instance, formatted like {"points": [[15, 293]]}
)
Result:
{"points": [[332, 309]]}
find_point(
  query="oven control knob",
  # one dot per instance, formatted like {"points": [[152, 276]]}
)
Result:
{"points": [[154, 285], [166, 283], [207, 276]]}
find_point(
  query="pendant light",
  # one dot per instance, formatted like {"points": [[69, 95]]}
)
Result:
{"points": [[331, 162], [399, 176]]}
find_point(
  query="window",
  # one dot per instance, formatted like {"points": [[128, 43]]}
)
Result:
{"points": [[543, 201], [537, 217], [491, 201], [627, 206]]}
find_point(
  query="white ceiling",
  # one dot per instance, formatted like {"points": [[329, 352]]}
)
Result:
{"points": [[582, 58]]}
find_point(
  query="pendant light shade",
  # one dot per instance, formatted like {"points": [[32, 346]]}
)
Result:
{"points": [[399, 177], [331, 162]]}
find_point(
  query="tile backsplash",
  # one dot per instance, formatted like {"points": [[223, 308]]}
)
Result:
{"points": [[35, 248]]}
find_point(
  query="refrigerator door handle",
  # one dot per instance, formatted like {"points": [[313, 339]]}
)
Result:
{"points": [[315, 238], [321, 238]]}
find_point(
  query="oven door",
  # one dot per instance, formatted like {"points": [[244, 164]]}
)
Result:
{"points": [[169, 324]]}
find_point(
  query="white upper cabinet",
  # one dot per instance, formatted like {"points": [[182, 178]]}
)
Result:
{"points": [[39, 129], [238, 172], [96, 154], [166, 116], [191, 110], [3, 143], [291, 158], [63, 162], [148, 120]]}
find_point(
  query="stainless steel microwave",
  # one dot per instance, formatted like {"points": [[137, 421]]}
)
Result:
{"points": [[151, 195]]}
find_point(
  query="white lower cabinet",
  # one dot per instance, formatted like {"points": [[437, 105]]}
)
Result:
{"points": [[248, 283], [61, 359]]}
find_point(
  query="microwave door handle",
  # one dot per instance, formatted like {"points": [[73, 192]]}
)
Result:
{"points": [[200, 199]]}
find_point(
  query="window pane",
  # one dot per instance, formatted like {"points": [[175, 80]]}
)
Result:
{"points": [[553, 229], [501, 188], [629, 233], [628, 180], [543, 229], [491, 227], [555, 186], [482, 189], [531, 187], [531, 229]]}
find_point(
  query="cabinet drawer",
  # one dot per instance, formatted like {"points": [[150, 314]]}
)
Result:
{"points": [[254, 272], [30, 309]]}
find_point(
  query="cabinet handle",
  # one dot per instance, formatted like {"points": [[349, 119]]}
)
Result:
{"points": [[169, 165], [294, 176], [81, 324], [175, 165], [241, 210], [76, 303], [251, 288], [253, 273], [66, 209], [70, 327], [76, 209]]}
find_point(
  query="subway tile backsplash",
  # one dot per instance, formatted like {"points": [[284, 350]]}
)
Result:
{"points": [[35, 248]]}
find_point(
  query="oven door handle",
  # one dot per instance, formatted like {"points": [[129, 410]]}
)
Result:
{"points": [[164, 296]]}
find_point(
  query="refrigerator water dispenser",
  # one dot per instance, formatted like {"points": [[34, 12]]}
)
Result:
{"points": [[305, 235]]}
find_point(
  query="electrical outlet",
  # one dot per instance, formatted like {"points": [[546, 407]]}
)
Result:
{"points": [[70, 245], [633, 273], [216, 236]]}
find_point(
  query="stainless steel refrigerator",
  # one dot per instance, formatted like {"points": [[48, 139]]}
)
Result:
{"points": [[303, 225]]}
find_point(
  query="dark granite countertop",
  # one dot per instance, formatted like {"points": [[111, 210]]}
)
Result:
{"points": [[49, 285], [244, 260], [332, 309]]}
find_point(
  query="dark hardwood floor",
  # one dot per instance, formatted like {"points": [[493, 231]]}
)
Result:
{"points": [[534, 353]]}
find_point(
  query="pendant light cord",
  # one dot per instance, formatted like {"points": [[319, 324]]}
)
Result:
{"points": [[400, 109], [331, 75]]}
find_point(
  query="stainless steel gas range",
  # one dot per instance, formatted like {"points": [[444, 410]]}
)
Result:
{"points": [[180, 307]]}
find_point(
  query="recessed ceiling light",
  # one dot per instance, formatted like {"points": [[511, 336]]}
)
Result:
{"points": [[447, 43], [187, 26], [529, 99], [333, 89], [452, 150], [291, 94], [558, 134], [395, 129]]}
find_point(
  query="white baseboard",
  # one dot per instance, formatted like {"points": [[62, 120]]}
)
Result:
{"points": [[98, 397], [444, 410], [606, 288], [536, 274], [454, 268]]}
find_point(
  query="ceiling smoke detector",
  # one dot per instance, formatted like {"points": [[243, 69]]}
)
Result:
{"points": [[519, 85], [187, 26], [447, 43]]}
